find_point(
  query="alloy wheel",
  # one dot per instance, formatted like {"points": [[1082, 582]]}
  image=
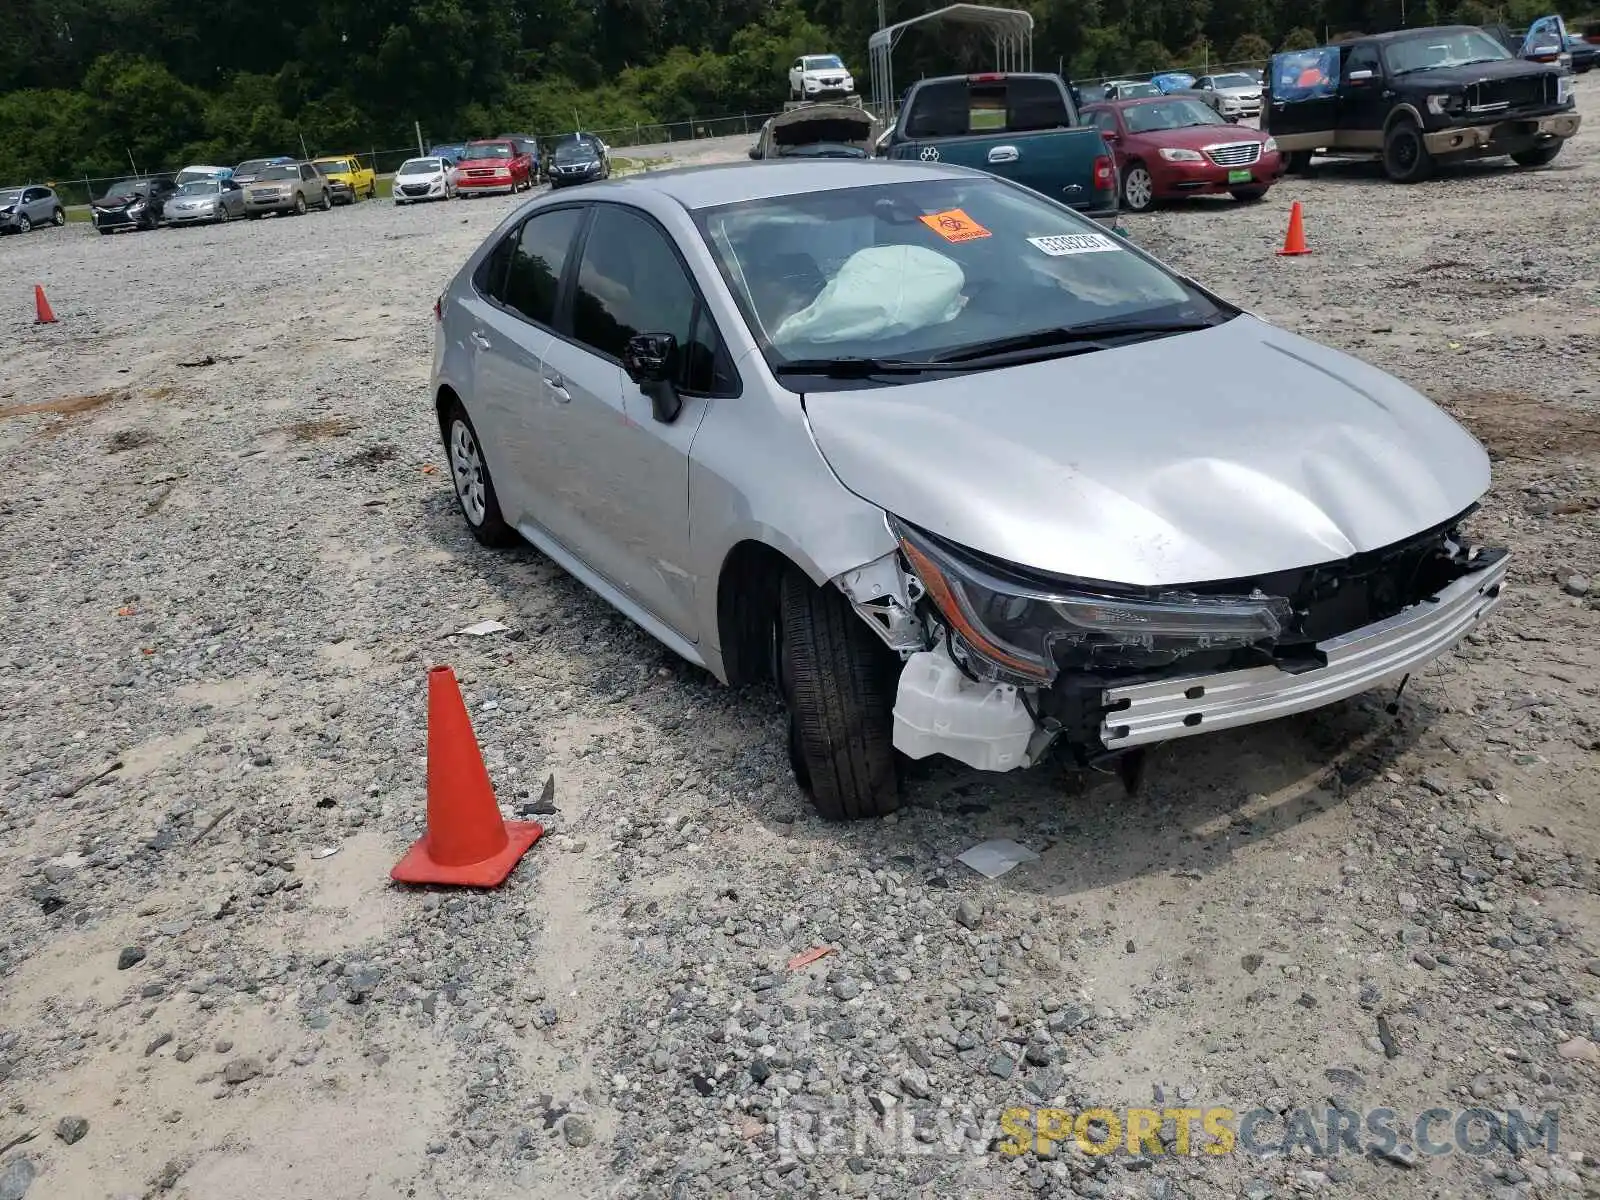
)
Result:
{"points": [[466, 465]]}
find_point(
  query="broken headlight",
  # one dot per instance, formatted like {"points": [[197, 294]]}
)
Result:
{"points": [[1021, 632], [1447, 104]]}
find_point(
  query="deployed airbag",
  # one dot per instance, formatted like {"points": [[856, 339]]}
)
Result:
{"points": [[879, 292]]}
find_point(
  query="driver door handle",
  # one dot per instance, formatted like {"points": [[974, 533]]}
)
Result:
{"points": [[482, 341], [1003, 154], [558, 388]]}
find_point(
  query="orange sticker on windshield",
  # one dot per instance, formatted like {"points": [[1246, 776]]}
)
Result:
{"points": [[953, 225]]}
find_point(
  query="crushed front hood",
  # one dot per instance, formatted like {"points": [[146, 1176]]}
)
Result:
{"points": [[1235, 451]]}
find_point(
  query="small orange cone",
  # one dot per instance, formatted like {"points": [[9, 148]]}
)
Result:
{"points": [[45, 314], [1295, 242], [467, 841]]}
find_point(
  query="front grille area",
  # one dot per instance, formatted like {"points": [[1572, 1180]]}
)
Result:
{"points": [[1502, 95], [1235, 154], [414, 189]]}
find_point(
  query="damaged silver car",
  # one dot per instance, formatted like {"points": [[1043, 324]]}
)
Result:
{"points": [[958, 470]]}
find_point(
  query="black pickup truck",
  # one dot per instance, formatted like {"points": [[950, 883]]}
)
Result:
{"points": [[1022, 127], [1415, 98]]}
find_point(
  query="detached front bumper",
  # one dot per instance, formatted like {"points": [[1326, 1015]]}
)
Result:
{"points": [[1510, 135], [1364, 658]]}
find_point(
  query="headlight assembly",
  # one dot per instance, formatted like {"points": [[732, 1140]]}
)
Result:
{"points": [[1022, 633], [1178, 154], [1444, 105]]}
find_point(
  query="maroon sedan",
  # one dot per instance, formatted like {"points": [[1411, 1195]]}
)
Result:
{"points": [[1174, 146]]}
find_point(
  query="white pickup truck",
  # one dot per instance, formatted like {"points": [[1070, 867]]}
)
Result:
{"points": [[820, 77]]}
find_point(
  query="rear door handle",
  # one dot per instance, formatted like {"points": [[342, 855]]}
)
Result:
{"points": [[558, 388], [1002, 154], [482, 341]]}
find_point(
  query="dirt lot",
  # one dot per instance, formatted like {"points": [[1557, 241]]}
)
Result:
{"points": [[230, 555]]}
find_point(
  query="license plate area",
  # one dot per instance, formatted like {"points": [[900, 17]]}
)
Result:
{"points": [[1240, 175]]}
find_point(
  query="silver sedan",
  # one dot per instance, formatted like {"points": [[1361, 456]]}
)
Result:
{"points": [[958, 470], [204, 201]]}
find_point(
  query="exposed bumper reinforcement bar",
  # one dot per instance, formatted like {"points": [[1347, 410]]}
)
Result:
{"points": [[1174, 708]]}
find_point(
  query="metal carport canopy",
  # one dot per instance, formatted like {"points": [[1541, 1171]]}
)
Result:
{"points": [[1011, 29]]}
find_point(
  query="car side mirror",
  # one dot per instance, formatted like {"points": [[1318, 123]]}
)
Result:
{"points": [[651, 360], [1359, 76]]}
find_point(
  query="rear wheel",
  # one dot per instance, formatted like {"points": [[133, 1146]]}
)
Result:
{"points": [[839, 681], [59, 217], [1539, 157], [469, 471], [1138, 188], [1298, 162], [1405, 156]]}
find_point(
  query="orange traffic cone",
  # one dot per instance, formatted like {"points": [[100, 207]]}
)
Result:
{"points": [[45, 314], [1295, 242], [467, 840]]}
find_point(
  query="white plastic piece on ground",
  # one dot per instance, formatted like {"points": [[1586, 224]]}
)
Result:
{"points": [[994, 858], [879, 292], [938, 710]]}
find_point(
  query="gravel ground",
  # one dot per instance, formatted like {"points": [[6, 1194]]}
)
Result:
{"points": [[231, 555]]}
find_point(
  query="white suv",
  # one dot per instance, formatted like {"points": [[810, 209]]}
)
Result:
{"points": [[820, 77]]}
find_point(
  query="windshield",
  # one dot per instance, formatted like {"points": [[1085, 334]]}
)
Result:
{"points": [[913, 270], [11, 197], [1169, 114], [420, 166], [251, 167], [1440, 48], [282, 171], [489, 150], [1138, 89], [570, 152], [1234, 81], [126, 187], [824, 62], [198, 173], [200, 187], [339, 166]]}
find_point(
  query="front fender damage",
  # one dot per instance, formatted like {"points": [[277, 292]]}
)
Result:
{"points": [[940, 708]]}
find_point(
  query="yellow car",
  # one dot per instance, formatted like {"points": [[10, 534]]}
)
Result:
{"points": [[349, 180]]}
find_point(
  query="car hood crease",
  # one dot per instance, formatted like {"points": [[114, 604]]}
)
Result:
{"points": [[1236, 451]]}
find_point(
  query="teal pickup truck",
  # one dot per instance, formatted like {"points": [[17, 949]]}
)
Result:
{"points": [[1021, 127]]}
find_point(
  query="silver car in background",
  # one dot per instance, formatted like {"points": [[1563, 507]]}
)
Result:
{"points": [[26, 208], [1238, 94], [957, 469], [204, 201], [425, 179]]}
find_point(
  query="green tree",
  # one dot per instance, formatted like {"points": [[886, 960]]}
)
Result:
{"points": [[1252, 47], [1299, 38]]}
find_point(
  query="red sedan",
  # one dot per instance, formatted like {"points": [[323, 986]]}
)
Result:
{"points": [[494, 166], [1174, 146]]}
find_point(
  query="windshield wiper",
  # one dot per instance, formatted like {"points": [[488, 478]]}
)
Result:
{"points": [[852, 367], [1097, 335]]}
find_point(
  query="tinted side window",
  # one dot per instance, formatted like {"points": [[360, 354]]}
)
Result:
{"points": [[1105, 121], [1362, 58], [540, 253], [631, 282]]}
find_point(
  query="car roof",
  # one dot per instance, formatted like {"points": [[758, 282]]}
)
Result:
{"points": [[732, 183], [1395, 35]]}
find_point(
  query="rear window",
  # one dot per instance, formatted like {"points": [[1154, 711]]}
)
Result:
{"points": [[1016, 104]]}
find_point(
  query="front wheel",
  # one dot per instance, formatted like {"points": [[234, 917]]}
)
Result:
{"points": [[839, 682], [1138, 188], [469, 471], [300, 204], [327, 201], [59, 217], [23, 224], [1541, 156], [1298, 162], [1405, 155]]}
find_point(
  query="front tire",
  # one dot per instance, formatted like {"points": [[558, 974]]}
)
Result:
{"points": [[839, 683], [327, 201], [1541, 156], [23, 224], [1138, 188], [58, 218], [469, 472], [1405, 155], [300, 204], [1298, 162]]}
